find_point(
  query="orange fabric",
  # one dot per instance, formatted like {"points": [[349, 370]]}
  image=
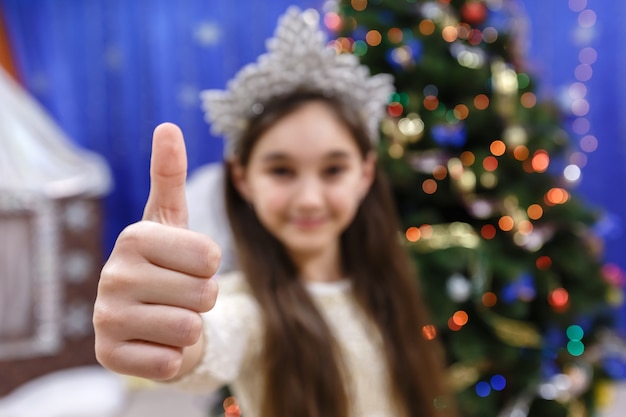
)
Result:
{"points": [[6, 58]]}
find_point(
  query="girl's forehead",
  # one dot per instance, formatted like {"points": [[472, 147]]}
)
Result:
{"points": [[312, 130]]}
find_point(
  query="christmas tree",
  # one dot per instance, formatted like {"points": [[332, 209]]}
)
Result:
{"points": [[504, 249]]}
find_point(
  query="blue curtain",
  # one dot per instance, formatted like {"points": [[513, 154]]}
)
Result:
{"points": [[109, 71], [564, 36]]}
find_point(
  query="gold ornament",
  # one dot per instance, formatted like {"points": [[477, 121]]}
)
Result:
{"points": [[515, 332]]}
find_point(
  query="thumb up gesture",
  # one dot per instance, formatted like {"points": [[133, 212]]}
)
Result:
{"points": [[157, 279]]}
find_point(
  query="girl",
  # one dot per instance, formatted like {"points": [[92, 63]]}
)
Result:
{"points": [[322, 317]]}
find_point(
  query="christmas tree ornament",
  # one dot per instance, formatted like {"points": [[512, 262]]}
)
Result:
{"points": [[474, 12], [412, 127], [297, 58], [449, 134], [459, 288]]}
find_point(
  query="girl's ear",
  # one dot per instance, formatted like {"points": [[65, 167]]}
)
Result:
{"points": [[238, 174], [369, 172]]}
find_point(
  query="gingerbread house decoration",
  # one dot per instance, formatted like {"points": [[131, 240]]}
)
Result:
{"points": [[50, 241]]}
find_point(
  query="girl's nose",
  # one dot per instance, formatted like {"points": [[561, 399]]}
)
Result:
{"points": [[309, 193]]}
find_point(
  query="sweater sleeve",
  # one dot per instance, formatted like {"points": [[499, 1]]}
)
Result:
{"points": [[232, 332]]}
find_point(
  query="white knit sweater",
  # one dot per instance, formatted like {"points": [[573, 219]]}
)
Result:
{"points": [[234, 340]]}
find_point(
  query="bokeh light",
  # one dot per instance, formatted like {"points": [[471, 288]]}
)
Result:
{"points": [[540, 161], [528, 100], [359, 5], [427, 231], [449, 34], [498, 382], [460, 318], [521, 153], [440, 172], [395, 35], [534, 211], [506, 223], [489, 299], [575, 332], [589, 143], [468, 158], [332, 21], [481, 102], [575, 347], [429, 186], [429, 332], [413, 234], [497, 148], [559, 298], [431, 103], [483, 389], [488, 231], [556, 196], [490, 163], [427, 27], [543, 263], [373, 38]]}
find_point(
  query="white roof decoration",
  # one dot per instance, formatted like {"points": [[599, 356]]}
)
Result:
{"points": [[35, 154]]}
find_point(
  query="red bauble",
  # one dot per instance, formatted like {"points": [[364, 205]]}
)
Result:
{"points": [[474, 12]]}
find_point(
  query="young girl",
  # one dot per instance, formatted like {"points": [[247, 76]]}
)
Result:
{"points": [[322, 317]]}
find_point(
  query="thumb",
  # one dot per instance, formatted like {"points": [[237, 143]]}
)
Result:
{"points": [[167, 203]]}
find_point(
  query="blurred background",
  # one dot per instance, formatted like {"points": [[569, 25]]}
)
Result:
{"points": [[84, 83]]}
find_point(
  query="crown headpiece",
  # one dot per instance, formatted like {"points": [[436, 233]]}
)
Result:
{"points": [[297, 58]]}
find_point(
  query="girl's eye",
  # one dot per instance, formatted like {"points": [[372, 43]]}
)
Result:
{"points": [[334, 170], [280, 171]]}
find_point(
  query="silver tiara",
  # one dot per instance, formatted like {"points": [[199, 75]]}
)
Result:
{"points": [[297, 57]]}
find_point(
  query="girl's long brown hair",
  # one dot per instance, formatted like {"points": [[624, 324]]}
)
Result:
{"points": [[303, 374]]}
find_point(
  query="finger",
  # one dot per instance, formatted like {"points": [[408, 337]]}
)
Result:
{"points": [[193, 294], [167, 203], [150, 284], [160, 324], [141, 359], [171, 248]]}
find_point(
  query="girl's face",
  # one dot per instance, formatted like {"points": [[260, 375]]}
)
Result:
{"points": [[305, 180]]}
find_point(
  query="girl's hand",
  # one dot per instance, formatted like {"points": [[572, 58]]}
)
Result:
{"points": [[157, 279]]}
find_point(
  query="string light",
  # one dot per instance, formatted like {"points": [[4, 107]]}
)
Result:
{"points": [[543, 263], [395, 35], [440, 172], [490, 163], [575, 346], [497, 148], [559, 299], [521, 152], [489, 299], [429, 332], [534, 211], [359, 5], [373, 38], [431, 103], [528, 100], [426, 27], [540, 161], [481, 102], [468, 158], [506, 223], [488, 231], [429, 186], [413, 234]]}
